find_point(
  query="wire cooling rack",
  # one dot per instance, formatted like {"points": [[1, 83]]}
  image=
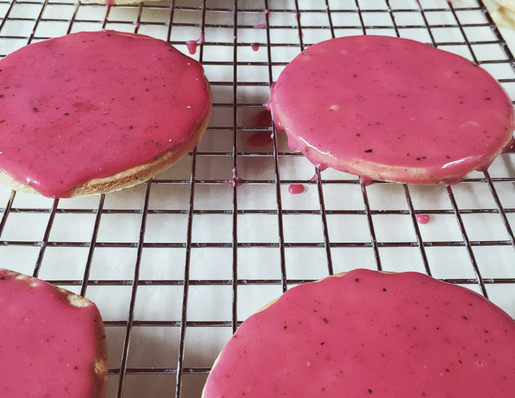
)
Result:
{"points": [[177, 263]]}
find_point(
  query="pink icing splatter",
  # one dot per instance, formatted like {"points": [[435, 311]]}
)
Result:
{"points": [[409, 112], [255, 46], [235, 181], [263, 119], [423, 218], [261, 138], [296, 189], [48, 347], [260, 26]]}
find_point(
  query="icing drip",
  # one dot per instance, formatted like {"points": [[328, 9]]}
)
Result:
{"points": [[296, 189], [423, 218], [193, 44], [101, 103], [48, 347], [261, 138]]}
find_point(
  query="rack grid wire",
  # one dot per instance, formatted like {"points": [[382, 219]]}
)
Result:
{"points": [[177, 263]]}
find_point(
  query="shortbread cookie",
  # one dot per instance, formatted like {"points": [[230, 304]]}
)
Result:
{"points": [[93, 112], [504, 17], [392, 109], [52, 342], [370, 334]]}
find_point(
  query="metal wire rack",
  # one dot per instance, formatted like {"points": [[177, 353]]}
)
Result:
{"points": [[177, 263]]}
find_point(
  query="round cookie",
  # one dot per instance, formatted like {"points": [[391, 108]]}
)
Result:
{"points": [[52, 342], [504, 17], [94, 112], [370, 334], [392, 109]]}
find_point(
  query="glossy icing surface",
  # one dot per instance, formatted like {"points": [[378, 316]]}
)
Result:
{"points": [[392, 109], [369, 334], [48, 348], [261, 138], [100, 103]]}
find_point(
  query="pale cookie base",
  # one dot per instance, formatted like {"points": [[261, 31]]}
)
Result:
{"points": [[504, 17], [101, 363], [127, 178], [509, 4]]}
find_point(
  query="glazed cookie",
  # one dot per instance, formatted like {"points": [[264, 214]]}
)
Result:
{"points": [[392, 109], [370, 334], [105, 110], [52, 342]]}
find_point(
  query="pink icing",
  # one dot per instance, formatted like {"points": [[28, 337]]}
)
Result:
{"points": [[423, 218], [392, 109], [100, 103], [369, 334], [296, 189], [48, 347], [193, 44], [255, 46], [259, 138]]}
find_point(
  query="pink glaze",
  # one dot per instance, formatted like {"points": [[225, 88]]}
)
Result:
{"points": [[296, 189], [263, 119], [48, 348], [369, 334], [423, 218], [259, 138], [510, 148], [260, 26], [100, 103], [392, 109], [193, 44], [255, 46], [235, 181]]}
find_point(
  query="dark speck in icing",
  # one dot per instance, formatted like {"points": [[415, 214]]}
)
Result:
{"points": [[392, 109]]}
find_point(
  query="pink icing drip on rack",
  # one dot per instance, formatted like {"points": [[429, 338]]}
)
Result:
{"points": [[48, 347], [423, 218], [235, 181], [296, 189], [193, 44], [261, 138]]}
